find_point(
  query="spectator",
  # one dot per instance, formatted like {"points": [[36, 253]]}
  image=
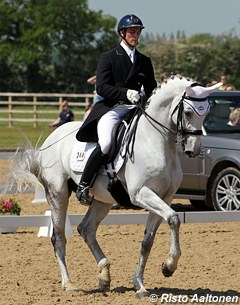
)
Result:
{"points": [[92, 80], [223, 80], [87, 111], [225, 85], [65, 116], [163, 77], [230, 88], [234, 117]]}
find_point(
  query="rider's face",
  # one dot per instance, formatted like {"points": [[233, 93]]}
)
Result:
{"points": [[132, 35]]}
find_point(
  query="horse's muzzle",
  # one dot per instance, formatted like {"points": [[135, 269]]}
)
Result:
{"points": [[189, 154]]}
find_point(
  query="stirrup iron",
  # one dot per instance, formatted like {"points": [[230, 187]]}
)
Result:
{"points": [[83, 195]]}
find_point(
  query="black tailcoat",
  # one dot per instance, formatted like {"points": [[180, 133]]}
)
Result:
{"points": [[115, 75]]}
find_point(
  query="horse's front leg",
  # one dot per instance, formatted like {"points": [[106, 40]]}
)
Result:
{"points": [[58, 239], [147, 199], [87, 229], [152, 225]]}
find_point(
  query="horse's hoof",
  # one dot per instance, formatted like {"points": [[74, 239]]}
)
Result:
{"points": [[104, 278], [70, 288], [142, 293], [103, 286], [166, 271]]}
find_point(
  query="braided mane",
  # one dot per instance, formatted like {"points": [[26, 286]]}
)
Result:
{"points": [[164, 83]]}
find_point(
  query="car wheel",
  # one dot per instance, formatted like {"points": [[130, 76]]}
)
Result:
{"points": [[225, 191], [198, 204]]}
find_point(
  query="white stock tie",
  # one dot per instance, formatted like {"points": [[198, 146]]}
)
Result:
{"points": [[131, 57]]}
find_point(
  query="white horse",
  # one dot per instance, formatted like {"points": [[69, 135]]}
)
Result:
{"points": [[174, 112]]}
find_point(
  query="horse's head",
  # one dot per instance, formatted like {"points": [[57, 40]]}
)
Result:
{"points": [[190, 114], [177, 109]]}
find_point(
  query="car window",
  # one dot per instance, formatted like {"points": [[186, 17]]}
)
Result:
{"points": [[222, 111]]}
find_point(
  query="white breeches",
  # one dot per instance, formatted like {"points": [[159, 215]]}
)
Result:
{"points": [[106, 124]]}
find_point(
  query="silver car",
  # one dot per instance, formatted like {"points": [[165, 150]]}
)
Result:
{"points": [[213, 178]]}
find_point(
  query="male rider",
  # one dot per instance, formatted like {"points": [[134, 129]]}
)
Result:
{"points": [[121, 73]]}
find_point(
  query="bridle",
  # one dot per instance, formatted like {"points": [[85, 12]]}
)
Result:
{"points": [[181, 132]]}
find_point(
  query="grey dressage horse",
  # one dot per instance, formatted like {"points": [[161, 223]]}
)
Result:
{"points": [[174, 112]]}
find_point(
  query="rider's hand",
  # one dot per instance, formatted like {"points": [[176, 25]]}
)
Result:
{"points": [[133, 96]]}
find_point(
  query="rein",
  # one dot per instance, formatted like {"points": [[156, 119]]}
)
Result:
{"points": [[130, 135], [180, 129], [65, 136], [150, 118]]}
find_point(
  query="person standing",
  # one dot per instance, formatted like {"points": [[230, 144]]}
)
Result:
{"points": [[66, 115], [92, 80], [223, 80], [121, 73], [225, 84]]}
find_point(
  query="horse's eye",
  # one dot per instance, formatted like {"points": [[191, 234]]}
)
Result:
{"points": [[188, 114]]}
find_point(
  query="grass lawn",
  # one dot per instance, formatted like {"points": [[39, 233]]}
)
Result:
{"points": [[14, 137]]}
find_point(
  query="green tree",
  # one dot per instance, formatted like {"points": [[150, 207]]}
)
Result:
{"points": [[51, 45], [203, 57]]}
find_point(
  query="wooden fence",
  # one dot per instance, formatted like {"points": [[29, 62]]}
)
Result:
{"points": [[35, 101]]}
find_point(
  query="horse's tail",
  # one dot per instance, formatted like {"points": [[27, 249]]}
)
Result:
{"points": [[26, 169]]}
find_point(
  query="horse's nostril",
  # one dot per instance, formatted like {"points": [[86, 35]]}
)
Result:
{"points": [[188, 153]]}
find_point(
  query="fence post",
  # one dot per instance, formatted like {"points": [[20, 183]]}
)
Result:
{"points": [[47, 231], [10, 113], [35, 116], [40, 195]]}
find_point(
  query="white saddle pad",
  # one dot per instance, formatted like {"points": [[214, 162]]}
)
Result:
{"points": [[80, 154]]}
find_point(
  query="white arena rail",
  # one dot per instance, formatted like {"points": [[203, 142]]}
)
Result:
{"points": [[119, 218], [44, 221]]}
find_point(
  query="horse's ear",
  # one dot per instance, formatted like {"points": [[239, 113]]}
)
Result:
{"points": [[213, 88], [189, 91], [201, 92]]}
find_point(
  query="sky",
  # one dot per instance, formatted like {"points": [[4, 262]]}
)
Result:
{"points": [[215, 17]]}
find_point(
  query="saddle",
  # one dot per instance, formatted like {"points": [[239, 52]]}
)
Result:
{"points": [[81, 151]]}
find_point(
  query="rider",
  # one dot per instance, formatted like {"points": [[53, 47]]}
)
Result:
{"points": [[121, 73]]}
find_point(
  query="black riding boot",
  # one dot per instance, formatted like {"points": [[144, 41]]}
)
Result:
{"points": [[94, 163]]}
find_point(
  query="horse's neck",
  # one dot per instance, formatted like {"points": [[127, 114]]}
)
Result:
{"points": [[157, 128], [160, 112], [157, 137]]}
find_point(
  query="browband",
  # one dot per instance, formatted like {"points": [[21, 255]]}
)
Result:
{"points": [[195, 99]]}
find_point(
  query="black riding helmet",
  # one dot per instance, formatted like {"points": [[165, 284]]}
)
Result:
{"points": [[129, 21]]}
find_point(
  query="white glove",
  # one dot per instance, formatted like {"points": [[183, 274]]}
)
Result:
{"points": [[133, 96]]}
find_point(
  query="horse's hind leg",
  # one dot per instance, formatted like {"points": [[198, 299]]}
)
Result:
{"points": [[152, 225], [58, 201], [87, 229]]}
